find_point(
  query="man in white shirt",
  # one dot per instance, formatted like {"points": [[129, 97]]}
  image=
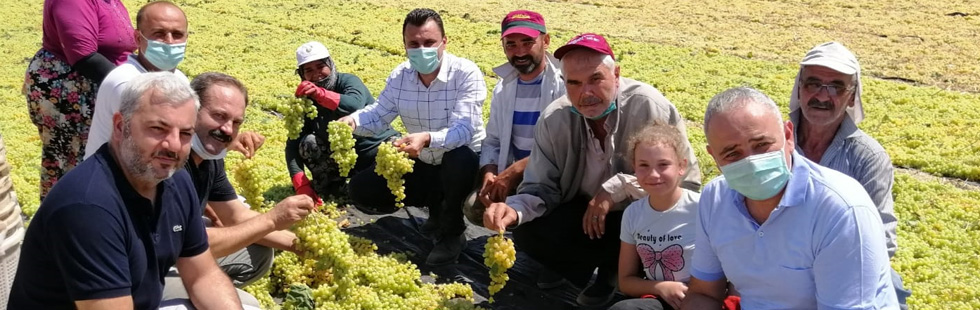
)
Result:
{"points": [[161, 33], [529, 81], [439, 98]]}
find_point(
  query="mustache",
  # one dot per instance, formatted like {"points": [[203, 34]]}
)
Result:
{"points": [[590, 100], [219, 135], [814, 103], [166, 154], [519, 58]]}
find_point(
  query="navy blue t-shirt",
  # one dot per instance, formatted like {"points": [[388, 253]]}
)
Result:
{"points": [[211, 181], [95, 237]]}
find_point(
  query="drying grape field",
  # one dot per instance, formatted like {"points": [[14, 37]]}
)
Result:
{"points": [[921, 63]]}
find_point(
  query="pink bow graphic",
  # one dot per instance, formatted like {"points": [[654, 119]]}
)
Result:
{"points": [[671, 259]]}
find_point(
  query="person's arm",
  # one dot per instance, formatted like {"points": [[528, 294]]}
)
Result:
{"points": [[354, 95], [708, 285], [704, 294], [877, 175], [622, 186], [376, 118], [851, 263], [77, 23], [207, 286], [247, 230], [490, 149], [293, 164], [466, 115], [115, 303], [236, 213]]}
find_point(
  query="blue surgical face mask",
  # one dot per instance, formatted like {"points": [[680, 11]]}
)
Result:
{"points": [[612, 107], [758, 177], [425, 60], [162, 55]]}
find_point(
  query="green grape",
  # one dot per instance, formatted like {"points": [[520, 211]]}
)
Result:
{"points": [[262, 290], [499, 255], [342, 141], [392, 164], [295, 111], [252, 182]]}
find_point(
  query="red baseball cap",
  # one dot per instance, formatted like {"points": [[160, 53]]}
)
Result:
{"points": [[525, 22], [591, 41]]}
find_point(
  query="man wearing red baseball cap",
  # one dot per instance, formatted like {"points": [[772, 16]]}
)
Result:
{"points": [[577, 178], [529, 81]]}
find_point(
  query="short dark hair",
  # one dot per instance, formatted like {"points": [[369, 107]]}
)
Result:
{"points": [[419, 17], [142, 11], [204, 81]]}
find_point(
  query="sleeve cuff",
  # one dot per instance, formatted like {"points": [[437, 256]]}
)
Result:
{"points": [[614, 186], [437, 139]]}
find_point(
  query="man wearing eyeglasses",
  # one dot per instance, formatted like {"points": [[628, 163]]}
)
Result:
{"points": [[825, 109]]}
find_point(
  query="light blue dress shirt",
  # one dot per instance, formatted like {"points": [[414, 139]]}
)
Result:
{"points": [[821, 248]]}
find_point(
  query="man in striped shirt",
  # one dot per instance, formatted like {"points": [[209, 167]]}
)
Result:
{"points": [[529, 81], [439, 98], [825, 108]]}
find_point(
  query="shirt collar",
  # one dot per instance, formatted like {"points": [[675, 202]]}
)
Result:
{"points": [[798, 185], [444, 67]]}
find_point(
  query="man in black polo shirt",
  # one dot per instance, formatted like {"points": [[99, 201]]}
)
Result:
{"points": [[111, 228], [244, 239]]}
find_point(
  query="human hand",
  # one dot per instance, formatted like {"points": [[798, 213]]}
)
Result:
{"points": [[594, 220], [291, 210], [505, 183], [499, 216], [671, 292], [413, 143], [248, 143], [349, 121]]}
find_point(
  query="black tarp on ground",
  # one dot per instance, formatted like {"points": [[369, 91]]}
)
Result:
{"points": [[398, 232]]}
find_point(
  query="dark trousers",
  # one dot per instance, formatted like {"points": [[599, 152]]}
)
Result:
{"points": [[442, 188], [557, 241]]}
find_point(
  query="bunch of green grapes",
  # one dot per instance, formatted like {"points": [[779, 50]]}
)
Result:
{"points": [[341, 138], [295, 111], [499, 255], [392, 164], [251, 182], [262, 290], [363, 246]]}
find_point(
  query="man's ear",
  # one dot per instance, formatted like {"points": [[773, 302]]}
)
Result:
{"points": [[546, 39], [617, 71], [790, 136], [117, 126]]}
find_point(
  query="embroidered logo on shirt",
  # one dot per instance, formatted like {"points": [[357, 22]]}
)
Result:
{"points": [[178, 228]]}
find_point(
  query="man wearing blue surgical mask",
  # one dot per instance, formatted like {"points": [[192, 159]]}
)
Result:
{"points": [[439, 98], [785, 231], [567, 211], [161, 36]]}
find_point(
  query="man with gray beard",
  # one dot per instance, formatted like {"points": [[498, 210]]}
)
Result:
{"points": [[110, 230]]}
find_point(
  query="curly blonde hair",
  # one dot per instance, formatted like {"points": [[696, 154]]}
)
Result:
{"points": [[658, 134]]}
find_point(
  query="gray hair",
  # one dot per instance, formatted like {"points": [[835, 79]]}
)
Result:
{"points": [[176, 90], [606, 60], [738, 97]]}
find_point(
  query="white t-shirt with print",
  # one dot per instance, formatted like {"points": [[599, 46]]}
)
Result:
{"points": [[664, 240]]}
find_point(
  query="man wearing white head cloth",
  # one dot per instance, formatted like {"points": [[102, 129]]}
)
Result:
{"points": [[825, 109]]}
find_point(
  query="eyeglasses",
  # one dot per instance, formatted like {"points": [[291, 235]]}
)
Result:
{"points": [[832, 89]]}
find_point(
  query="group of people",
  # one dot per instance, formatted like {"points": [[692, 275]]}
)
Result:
{"points": [[593, 172]]}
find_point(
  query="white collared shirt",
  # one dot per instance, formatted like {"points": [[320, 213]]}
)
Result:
{"points": [[450, 109]]}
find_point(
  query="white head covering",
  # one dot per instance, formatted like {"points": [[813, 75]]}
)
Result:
{"points": [[836, 57]]}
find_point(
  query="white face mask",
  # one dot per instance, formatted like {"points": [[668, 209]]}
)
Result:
{"points": [[198, 147]]}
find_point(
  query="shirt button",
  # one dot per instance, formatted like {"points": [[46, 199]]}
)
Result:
{"points": [[761, 234]]}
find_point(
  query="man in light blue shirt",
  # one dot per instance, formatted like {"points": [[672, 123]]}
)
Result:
{"points": [[788, 233]]}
